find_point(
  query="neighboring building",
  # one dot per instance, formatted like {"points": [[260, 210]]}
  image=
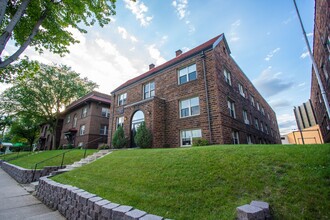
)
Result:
{"points": [[200, 93], [311, 135], [321, 51], [305, 116], [86, 121], [45, 141]]}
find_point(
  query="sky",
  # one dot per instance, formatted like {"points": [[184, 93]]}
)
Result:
{"points": [[265, 39]]}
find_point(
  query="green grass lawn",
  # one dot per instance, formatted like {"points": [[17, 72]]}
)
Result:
{"points": [[210, 182], [30, 160], [14, 155]]}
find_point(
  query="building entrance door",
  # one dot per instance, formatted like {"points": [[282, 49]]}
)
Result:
{"points": [[137, 120]]}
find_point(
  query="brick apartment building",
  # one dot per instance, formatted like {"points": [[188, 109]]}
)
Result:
{"points": [[86, 121], [321, 51], [45, 141], [199, 93]]}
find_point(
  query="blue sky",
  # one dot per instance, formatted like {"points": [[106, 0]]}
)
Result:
{"points": [[264, 37]]}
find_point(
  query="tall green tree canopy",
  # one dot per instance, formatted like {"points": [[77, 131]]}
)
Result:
{"points": [[44, 23], [45, 93]]}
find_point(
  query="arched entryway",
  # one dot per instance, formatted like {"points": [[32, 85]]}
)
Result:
{"points": [[137, 119]]}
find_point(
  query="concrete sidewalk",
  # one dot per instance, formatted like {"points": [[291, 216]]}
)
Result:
{"points": [[16, 203]]}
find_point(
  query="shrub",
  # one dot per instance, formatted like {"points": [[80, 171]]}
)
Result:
{"points": [[119, 140], [143, 137], [200, 142], [103, 147]]}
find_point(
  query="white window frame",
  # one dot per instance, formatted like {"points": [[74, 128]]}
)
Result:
{"points": [[256, 123], [245, 117], [75, 120], [105, 112], [84, 112], [122, 99], [190, 107], [189, 134], [186, 73], [252, 100], [227, 75], [261, 126], [82, 130], [266, 129], [104, 128], [120, 121], [147, 91], [258, 106], [325, 72], [235, 137], [241, 90], [231, 108], [249, 139], [262, 110], [68, 119]]}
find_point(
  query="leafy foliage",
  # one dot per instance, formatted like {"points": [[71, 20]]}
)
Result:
{"points": [[46, 24], [199, 142], [143, 137], [119, 140], [42, 94]]}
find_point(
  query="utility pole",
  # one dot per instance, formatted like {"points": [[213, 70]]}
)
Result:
{"points": [[318, 77]]}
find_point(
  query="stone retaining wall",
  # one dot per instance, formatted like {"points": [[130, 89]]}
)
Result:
{"points": [[75, 203], [22, 175]]}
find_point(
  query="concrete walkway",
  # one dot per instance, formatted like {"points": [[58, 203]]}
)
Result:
{"points": [[16, 203]]}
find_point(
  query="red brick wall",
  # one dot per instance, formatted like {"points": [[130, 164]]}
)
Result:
{"points": [[321, 55]]}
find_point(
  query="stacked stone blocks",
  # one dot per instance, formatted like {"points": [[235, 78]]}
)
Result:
{"points": [[75, 203]]}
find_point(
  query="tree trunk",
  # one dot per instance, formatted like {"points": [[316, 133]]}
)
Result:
{"points": [[14, 57], [3, 6]]}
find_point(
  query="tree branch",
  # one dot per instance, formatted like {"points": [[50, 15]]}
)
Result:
{"points": [[5, 36], [35, 30], [3, 6]]}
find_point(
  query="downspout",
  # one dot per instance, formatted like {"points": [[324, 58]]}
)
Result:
{"points": [[207, 96], [111, 124]]}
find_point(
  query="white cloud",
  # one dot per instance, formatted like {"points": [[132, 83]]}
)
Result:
{"points": [[304, 55], [287, 123], [271, 54], [233, 36], [181, 9], [309, 34], [155, 54], [302, 84], [269, 84], [139, 9], [125, 35]]}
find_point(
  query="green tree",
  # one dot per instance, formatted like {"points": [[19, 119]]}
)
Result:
{"points": [[119, 140], [44, 94], [143, 137], [44, 23], [25, 129], [5, 122]]}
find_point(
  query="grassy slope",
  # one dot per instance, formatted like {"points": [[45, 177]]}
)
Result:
{"points": [[70, 157], [210, 182]]}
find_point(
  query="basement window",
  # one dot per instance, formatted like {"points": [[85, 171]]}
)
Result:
{"points": [[188, 135]]}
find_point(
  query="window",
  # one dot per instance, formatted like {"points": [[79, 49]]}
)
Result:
{"points": [[189, 107], [262, 110], [241, 90], [120, 122], [261, 126], [75, 118], [227, 75], [188, 135], [245, 117], [266, 129], [122, 98], [231, 107], [235, 137], [324, 69], [258, 106], [82, 130], [252, 100], [105, 112], [249, 139], [187, 74], [149, 90], [68, 119], [104, 130], [268, 116], [84, 112], [256, 123]]}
